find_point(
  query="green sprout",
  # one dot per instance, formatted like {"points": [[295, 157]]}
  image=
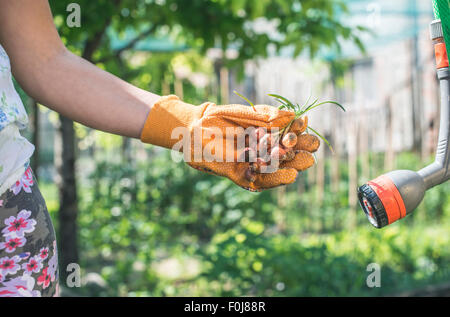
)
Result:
{"points": [[299, 111], [246, 99], [303, 110]]}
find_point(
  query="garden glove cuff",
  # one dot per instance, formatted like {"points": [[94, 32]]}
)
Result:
{"points": [[167, 114]]}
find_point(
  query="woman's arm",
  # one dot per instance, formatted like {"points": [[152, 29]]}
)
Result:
{"points": [[64, 82]]}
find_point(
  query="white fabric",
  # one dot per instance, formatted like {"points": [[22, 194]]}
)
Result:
{"points": [[15, 150]]}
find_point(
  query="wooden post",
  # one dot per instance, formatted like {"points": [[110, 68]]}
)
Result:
{"points": [[335, 157], [320, 188], [364, 145], [179, 88], [282, 213], [389, 156], [165, 88], [224, 85], [352, 169], [335, 175]]}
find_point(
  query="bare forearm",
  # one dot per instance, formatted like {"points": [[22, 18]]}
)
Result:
{"points": [[64, 82], [80, 91]]}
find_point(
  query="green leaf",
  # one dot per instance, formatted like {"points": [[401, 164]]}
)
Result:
{"points": [[307, 101], [280, 97], [251, 103], [313, 106], [309, 107], [288, 106], [323, 139], [282, 102]]}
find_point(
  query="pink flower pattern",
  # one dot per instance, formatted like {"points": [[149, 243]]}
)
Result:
{"points": [[19, 225], [53, 263], [10, 265], [43, 253], [24, 183], [11, 244], [44, 279], [34, 265], [21, 274], [21, 286]]}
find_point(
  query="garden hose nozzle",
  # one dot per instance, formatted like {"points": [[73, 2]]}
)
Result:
{"points": [[391, 197], [395, 195]]}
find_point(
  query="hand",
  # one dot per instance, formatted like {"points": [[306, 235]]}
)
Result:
{"points": [[306, 145], [170, 117]]}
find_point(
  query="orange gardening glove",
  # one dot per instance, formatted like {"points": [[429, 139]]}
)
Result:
{"points": [[170, 113]]}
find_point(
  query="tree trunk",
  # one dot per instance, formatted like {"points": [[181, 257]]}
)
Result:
{"points": [[68, 210]]}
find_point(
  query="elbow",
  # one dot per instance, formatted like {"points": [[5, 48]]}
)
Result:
{"points": [[34, 71]]}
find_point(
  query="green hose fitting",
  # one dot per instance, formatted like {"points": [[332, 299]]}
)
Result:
{"points": [[436, 10], [442, 12]]}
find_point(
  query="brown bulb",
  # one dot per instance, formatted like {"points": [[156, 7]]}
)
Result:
{"points": [[289, 140], [290, 155]]}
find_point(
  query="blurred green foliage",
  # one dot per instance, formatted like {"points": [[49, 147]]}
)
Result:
{"points": [[249, 27], [152, 227], [303, 24], [163, 229]]}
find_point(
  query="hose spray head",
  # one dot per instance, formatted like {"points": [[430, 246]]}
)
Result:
{"points": [[391, 197], [395, 195]]}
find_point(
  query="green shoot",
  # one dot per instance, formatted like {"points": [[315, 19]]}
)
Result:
{"points": [[246, 99], [311, 107], [323, 139], [299, 111], [307, 101], [286, 104], [303, 110]]}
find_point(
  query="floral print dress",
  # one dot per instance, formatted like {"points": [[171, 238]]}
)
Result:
{"points": [[15, 150], [28, 254]]}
